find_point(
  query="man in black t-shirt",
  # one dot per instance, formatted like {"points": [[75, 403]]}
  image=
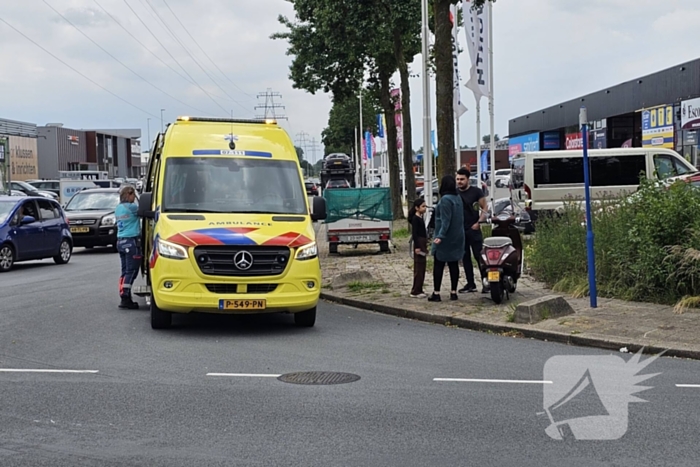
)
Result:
{"points": [[474, 205]]}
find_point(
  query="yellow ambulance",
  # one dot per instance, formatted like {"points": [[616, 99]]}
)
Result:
{"points": [[227, 225]]}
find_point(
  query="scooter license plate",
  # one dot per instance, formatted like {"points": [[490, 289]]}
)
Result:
{"points": [[494, 276]]}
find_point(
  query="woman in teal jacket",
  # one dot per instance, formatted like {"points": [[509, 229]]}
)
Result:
{"points": [[449, 237]]}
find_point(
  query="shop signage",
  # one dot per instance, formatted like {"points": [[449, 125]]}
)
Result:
{"points": [[657, 127], [525, 143], [574, 141], [599, 138], [550, 140], [74, 139], [690, 114]]}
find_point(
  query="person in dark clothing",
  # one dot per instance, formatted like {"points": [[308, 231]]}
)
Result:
{"points": [[474, 205], [420, 246], [449, 237]]}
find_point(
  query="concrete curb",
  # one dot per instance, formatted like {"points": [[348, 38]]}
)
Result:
{"points": [[552, 336]]}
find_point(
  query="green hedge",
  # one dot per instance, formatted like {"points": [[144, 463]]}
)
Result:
{"points": [[647, 246]]}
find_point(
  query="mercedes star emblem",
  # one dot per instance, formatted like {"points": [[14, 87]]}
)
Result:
{"points": [[243, 260]]}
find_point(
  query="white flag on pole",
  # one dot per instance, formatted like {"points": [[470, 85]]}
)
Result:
{"points": [[476, 27], [459, 107]]}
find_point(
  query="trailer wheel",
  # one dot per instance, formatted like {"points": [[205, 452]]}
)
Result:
{"points": [[333, 248], [384, 247]]}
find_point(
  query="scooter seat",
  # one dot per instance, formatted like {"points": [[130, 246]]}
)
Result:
{"points": [[497, 242]]}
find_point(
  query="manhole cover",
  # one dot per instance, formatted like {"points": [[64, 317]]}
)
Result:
{"points": [[319, 378]]}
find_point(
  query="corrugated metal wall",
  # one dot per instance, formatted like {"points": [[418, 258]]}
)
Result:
{"points": [[669, 86]]}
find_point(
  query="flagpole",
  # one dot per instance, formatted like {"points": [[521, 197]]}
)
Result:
{"points": [[362, 133], [479, 168], [358, 160], [491, 103], [455, 36], [427, 153]]}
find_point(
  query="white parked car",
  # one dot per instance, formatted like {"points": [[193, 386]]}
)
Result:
{"points": [[502, 178]]}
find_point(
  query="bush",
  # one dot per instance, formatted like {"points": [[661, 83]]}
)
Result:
{"points": [[647, 245]]}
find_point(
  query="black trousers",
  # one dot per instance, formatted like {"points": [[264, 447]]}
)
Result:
{"points": [[419, 265], [438, 271], [473, 243]]}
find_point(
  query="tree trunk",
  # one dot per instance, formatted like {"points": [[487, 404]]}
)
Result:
{"points": [[392, 149], [410, 177], [444, 84]]}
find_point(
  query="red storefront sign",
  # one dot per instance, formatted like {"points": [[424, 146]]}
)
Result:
{"points": [[574, 140]]}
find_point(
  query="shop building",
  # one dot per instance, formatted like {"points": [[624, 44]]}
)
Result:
{"points": [[19, 150], [657, 110], [65, 149]]}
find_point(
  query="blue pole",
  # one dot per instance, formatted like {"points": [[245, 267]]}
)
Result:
{"points": [[583, 121]]}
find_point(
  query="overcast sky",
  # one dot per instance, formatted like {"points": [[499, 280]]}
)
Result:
{"points": [[546, 51]]}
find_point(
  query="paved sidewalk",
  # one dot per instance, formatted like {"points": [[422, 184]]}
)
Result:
{"points": [[614, 324]]}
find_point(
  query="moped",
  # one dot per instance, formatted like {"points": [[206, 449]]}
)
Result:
{"points": [[502, 256]]}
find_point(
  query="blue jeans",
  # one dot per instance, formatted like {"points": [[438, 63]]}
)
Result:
{"points": [[130, 256]]}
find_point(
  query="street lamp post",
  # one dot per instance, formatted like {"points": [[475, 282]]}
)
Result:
{"points": [[364, 143], [162, 128]]}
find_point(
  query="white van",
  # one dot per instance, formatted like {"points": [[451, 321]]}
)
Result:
{"points": [[544, 179]]}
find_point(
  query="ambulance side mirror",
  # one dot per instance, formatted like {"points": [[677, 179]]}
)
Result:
{"points": [[145, 210]]}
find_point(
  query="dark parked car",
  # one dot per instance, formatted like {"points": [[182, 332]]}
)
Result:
{"points": [[54, 186], [337, 161], [340, 183], [32, 228], [311, 188], [29, 190], [90, 214]]}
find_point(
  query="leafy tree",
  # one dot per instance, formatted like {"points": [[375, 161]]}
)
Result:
{"points": [[336, 42], [344, 119], [487, 138], [300, 153]]}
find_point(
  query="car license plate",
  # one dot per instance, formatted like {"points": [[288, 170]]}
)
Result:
{"points": [[225, 304], [359, 238], [494, 276], [337, 163], [79, 229]]}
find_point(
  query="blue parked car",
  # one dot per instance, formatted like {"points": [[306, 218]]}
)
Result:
{"points": [[33, 228]]}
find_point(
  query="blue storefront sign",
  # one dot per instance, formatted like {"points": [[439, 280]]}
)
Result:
{"points": [[525, 143], [599, 139], [551, 140]]}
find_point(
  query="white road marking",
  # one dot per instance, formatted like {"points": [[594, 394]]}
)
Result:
{"points": [[244, 375], [688, 385], [509, 381], [21, 370]]}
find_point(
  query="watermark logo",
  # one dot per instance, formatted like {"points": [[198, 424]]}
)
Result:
{"points": [[589, 396]]}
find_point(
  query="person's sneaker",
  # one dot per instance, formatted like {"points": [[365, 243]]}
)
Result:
{"points": [[467, 289], [420, 295], [453, 296], [128, 304], [486, 290], [434, 298]]}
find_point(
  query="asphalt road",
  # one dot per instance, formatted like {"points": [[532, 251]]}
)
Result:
{"points": [[152, 403]]}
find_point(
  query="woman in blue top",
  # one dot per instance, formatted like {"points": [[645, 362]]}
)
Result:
{"points": [[449, 237], [128, 244]]}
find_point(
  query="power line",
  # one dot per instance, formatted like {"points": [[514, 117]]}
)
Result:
{"points": [[302, 142], [171, 56], [149, 50], [75, 70], [119, 61], [270, 107], [314, 149], [194, 59], [204, 52]]}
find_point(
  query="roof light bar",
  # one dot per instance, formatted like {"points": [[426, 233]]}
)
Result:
{"points": [[268, 121]]}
